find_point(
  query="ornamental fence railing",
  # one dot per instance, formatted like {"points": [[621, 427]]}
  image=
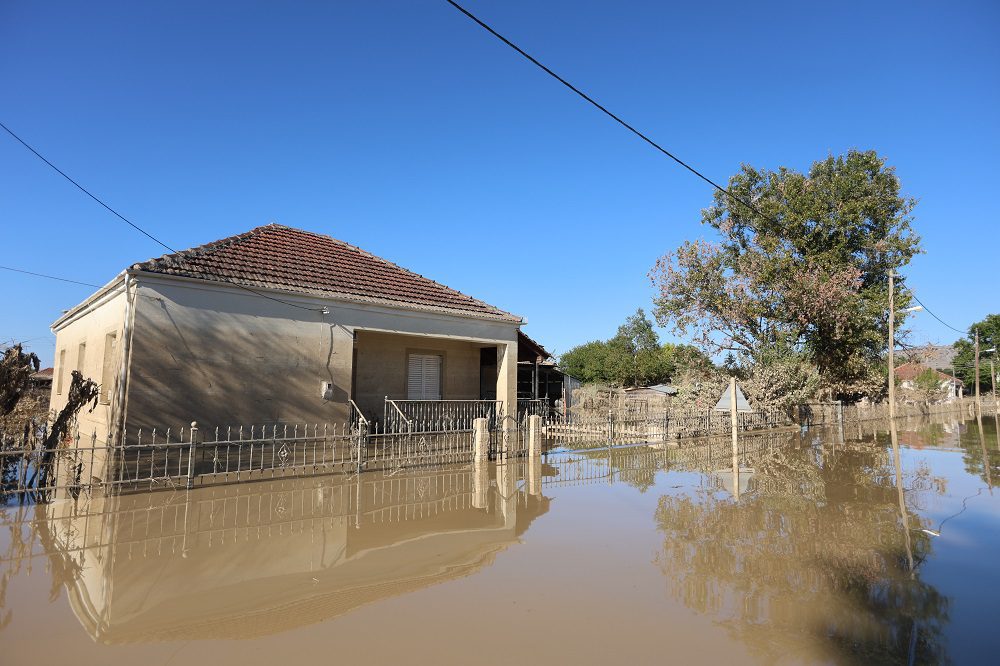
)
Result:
{"points": [[190, 456]]}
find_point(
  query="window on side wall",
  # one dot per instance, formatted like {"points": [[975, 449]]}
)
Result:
{"points": [[423, 378], [108, 368], [61, 371]]}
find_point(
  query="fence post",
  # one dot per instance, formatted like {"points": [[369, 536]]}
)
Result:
{"points": [[362, 445], [481, 440], [534, 436], [611, 427], [191, 448]]}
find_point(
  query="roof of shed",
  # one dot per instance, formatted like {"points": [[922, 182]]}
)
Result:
{"points": [[278, 257]]}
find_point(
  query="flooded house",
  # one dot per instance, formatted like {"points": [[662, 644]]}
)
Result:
{"points": [[278, 325]]}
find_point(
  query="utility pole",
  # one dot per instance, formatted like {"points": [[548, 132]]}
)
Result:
{"points": [[979, 404], [892, 344], [993, 385]]}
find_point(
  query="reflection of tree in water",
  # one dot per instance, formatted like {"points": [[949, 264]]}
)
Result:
{"points": [[814, 559], [981, 454]]}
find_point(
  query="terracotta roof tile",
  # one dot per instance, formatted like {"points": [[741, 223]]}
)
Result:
{"points": [[279, 257], [910, 371]]}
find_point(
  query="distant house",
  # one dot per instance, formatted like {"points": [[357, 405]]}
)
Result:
{"points": [[657, 391], [278, 325], [907, 375], [645, 398], [41, 380]]}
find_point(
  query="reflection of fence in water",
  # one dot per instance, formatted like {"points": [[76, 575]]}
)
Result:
{"points": [[157, 524]]}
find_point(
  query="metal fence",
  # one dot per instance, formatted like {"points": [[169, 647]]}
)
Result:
{"points": [[437, 415], [628, 426], [190, 456]]}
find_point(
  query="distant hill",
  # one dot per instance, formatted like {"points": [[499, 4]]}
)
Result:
{"points": [[939, 357]]}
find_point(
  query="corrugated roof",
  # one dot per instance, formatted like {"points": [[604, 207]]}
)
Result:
{"points": [[278, 257]]}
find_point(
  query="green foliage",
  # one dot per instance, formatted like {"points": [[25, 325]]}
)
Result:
{"points": [[586, 362], [633, 357], [810, 272], [927, 384], [965, 359], [781, 377]]}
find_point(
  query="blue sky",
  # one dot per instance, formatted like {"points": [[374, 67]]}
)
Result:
{"points": [[404, 128]]}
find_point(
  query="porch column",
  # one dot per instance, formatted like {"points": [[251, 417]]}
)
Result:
{"points": [[507, 377]]}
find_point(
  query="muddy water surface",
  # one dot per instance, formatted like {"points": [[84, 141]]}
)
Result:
{"points": [[814, 548]]}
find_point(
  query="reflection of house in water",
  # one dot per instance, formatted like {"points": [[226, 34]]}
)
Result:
{"points": [[255, 559]]}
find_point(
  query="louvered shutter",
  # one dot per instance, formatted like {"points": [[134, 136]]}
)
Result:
{"points": [[424, 377]]}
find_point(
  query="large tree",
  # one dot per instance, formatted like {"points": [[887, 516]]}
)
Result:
{"points": [[633, 357], [805, 269]]}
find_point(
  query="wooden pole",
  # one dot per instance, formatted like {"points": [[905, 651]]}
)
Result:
{"points": [[734, 422], [979, 404], [993, 385], [892, 344]]}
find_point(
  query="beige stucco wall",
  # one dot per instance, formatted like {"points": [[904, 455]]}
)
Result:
{"points": [[230, 359], [90, 326], [382, 362], [222, 356]]}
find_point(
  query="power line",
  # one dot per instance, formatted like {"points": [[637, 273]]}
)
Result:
{"points": [[131, 224], [87, 192], [50, 277], [928, 311], [601, 107]]}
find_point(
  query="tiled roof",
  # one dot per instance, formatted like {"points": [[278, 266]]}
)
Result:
{"points": [[279, 257], [910, 371]]}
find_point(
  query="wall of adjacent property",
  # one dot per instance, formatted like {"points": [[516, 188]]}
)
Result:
{"points": [[223, 356], [382, 363], [98, 327]]}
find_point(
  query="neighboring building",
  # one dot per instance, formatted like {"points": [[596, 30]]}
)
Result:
{"points": [[539, 378], [907, 374], [42, 380], [646, 398], [278, 325], [657, 391]]}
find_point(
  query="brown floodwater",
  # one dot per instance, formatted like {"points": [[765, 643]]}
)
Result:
{"points": [[816, 547]]}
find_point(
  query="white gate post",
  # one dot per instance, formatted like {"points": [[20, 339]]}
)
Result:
{"points": [[191, 447], [534, 436], [481, 440]]}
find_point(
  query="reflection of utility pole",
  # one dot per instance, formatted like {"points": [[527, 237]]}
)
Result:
{"points": [[894, 436]]}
